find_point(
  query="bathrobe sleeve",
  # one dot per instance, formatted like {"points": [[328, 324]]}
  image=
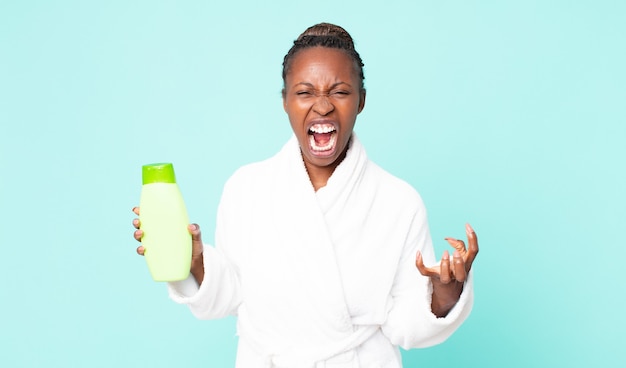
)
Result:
{"points": [[410, 322], [219, 295]]}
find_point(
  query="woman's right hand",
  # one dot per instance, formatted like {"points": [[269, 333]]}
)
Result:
{"points": [[197, 261]]}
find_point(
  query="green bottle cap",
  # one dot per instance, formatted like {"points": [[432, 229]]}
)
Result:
{"points": [[158, 173]]}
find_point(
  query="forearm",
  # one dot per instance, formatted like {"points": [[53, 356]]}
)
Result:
{"points": [[212, 289], [412, 322]]}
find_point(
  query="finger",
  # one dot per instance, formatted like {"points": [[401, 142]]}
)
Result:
{"points": [[196, 240], [472, 251], [457, 244], [138, 234], [136, 210], [426, 271], [136, 223], [141, 250], [458, 267], [444, 274]]}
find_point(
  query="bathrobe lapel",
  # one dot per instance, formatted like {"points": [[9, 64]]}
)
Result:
{"points": [[306, 231]]}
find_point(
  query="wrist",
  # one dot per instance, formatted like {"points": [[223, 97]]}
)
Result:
{"points": [[197, 268], [445, 297]]}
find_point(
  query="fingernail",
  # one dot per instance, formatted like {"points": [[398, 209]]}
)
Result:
{"points": [[468, 229]]}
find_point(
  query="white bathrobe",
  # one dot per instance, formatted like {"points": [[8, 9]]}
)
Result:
{"points": [[321, 279]]}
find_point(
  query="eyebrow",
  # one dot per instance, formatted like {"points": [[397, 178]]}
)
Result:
{"points": [[307, 84]]}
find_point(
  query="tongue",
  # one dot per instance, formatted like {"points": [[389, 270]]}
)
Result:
{"points": [[321, 139]]}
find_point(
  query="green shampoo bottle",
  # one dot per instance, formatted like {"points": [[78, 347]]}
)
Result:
{"points": [[163, 220]]}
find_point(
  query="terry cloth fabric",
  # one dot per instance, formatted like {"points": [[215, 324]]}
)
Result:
{"points": [[322, 278]]}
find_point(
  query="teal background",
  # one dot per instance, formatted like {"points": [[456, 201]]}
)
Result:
{"points": [[510, 115]]}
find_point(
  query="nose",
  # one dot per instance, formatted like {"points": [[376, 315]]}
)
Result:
{"points": [[322, 105]]}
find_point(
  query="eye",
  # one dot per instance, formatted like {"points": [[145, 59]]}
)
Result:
{"points": [[340, 93]]}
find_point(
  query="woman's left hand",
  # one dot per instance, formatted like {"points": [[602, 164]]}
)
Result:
{"points": [[448, 277]]}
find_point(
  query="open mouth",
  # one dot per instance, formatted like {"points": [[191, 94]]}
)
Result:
{"points": [[322, 138]]}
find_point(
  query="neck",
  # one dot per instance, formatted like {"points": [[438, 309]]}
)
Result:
{"points": [[319, 175]]}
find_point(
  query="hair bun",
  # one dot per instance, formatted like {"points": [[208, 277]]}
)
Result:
{"points": [[328, 30]]}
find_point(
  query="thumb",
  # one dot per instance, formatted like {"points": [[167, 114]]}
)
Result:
{"points": [[196, 240]]}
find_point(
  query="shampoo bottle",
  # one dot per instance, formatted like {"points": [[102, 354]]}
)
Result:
{"points": [[163, 220]]}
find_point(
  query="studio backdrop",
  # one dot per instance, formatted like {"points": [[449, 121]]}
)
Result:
{"points": [[509, 115]]}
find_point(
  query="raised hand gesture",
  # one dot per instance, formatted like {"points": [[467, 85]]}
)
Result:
{"points": [[448, 277]]}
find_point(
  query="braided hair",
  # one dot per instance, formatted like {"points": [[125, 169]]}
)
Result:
{"points": [[325, 35]]}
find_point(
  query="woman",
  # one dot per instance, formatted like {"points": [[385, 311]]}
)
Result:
{"points": [[319, 252]]}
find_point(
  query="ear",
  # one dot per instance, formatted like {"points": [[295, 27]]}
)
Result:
{"points": [[284, 94], [361, 100]]}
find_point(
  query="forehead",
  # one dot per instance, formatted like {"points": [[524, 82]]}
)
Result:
{"points": [[322, 62]]}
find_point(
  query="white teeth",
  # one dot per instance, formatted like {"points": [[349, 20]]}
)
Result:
{"points": [[321, 129], [326, 147]]}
